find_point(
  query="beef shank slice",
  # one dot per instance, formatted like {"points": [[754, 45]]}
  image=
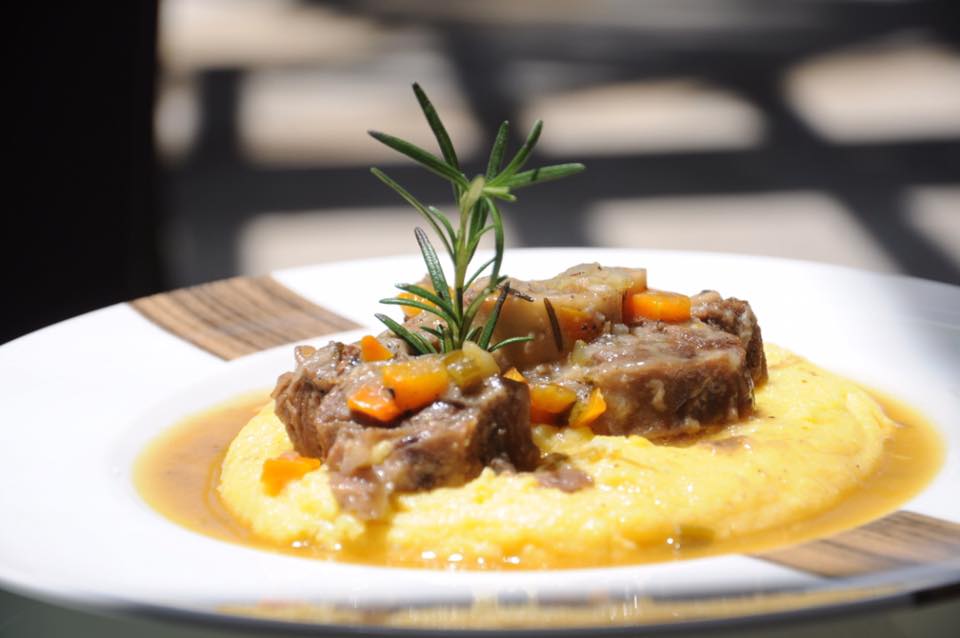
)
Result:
{"points": [[446, 443], [660, 379]]}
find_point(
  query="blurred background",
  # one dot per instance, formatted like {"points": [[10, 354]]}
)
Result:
{"points": [[174, 142]]}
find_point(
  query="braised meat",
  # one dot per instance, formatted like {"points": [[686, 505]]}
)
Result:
{"points": [[660, 379], [298, 394], [593, 361], [446, 443], [734, 317]]}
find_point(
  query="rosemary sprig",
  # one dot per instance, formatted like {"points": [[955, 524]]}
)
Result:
{"points": [[479, 214]]}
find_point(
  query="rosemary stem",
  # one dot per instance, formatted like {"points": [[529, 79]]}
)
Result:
{"points": [[460, 270], [475, 203]]}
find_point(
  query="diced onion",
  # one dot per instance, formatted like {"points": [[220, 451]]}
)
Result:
{"points": [[470, 366]]}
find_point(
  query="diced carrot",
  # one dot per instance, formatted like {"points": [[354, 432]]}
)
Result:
{"points": [[656, 305], [638, 284], [416, 382], [548, 401], [586, 412], [515, 375], [276, 473], [577, 324], [375, 401], [372, 350], [409, 311], [552, 397]]}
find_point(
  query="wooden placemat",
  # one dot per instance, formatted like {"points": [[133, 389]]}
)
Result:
{"points": [[239, 316], [898, 540]]}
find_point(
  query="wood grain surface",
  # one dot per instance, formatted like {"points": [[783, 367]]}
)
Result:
{"points": [[898, 540], [239, 316]]}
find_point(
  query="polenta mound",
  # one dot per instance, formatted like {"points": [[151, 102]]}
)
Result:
{"points": [[812, 439]]}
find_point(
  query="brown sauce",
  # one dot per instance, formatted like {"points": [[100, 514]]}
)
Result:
{"points": [[179, 472]]}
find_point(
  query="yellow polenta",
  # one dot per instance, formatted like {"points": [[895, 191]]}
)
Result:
{"points": [[813, 438]]}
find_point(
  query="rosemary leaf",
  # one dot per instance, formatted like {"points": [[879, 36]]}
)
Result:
{"points": [[500, 192], [497, 241], [508, 341], [447, 343], [430, 161], [540, 175], [474, 333], [470, 198], [434, 331], [415, 341], [554, 324], [439, 131], [413, 303], [427, 294], [478, 218], [479, 272], [429, 346], [434, 268], [520, 295], [491, 323], [496, 153], [442, 219], [521, 157], [475, 240]]}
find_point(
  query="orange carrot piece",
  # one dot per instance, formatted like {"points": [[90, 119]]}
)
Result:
{"points": [[374, 401], [276, 473], [552, 397], [586, 412], [515, 375], [548, 401], [371, 349], [409, 311], [656, 305], [638, 286], [416, 382]]}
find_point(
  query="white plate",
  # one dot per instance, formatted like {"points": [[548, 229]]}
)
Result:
{"points": [[83, 397]]}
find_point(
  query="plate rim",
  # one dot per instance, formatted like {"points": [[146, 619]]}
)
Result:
{"points": [[293, 273]]}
